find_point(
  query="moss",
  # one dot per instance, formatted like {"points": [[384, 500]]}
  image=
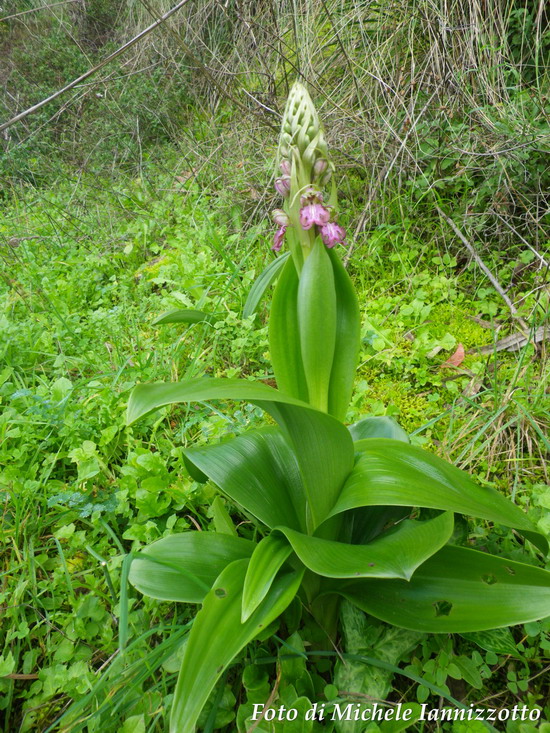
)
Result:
{"points": [[383, 395], [446, 318]]}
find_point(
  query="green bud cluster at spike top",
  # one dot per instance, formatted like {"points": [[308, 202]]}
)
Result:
{"points": [[301, 128], [304, 170]]}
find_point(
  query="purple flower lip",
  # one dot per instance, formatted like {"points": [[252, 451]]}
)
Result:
{"points": [[282, 185], [332, 234], [314, 214], [278, 239]]}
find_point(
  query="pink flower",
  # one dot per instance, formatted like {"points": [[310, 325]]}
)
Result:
{"points": [[313, 214], [332, 234], [278, 239]]}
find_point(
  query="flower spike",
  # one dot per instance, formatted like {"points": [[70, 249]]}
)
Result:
{"points": [[303, 170]]}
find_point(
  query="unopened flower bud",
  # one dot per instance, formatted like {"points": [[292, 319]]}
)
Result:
{"points": [[282, 185], [285, 166], [280, 217], [320, 166]]}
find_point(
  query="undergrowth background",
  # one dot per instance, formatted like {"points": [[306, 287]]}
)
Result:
{"points": [[148, 187]]}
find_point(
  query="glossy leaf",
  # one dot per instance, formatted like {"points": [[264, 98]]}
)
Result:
{"points": [[378, 427], [194, 472], [323, 446], [346, 349], [261, 284], [186, 316], [396, 554], [284, 336], [182, 567], [366, 523], [258, 471], [218, 636], [264, 565], [317, 323], [456, 590], [388, 472]]}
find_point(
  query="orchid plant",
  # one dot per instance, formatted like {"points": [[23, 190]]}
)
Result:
{"points": [[341, 512]]}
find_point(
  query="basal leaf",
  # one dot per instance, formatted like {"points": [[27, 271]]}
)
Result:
{"points": [[378, 427], [388, 472], [218, 636], [322, 445], [396, 554], [346, 348], [182, 567], [261, 284], [264, 565], [258, 471], [456, 590]]}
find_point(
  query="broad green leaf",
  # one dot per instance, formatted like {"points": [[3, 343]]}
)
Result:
{"points": [[456, 590], [378, 427], [186, 316], [284, 336], [182, 567], [258, 471], [261, 284], [317, 323], [265, 563], [396, 554], [346, 349], [218, 636], [194, 472], [391, 472], [323, 446]]}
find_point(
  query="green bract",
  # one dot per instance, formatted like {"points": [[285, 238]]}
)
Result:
{"points": [[337, 507]]}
